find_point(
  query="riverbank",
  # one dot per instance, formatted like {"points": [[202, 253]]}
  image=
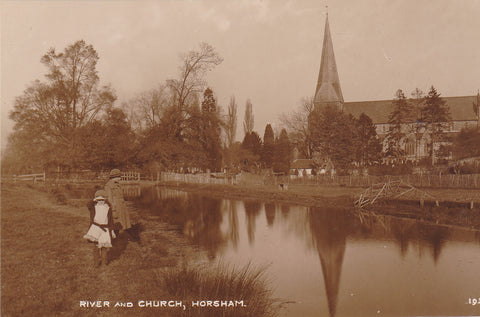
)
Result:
{"points": [[454, 205], [47, 267], [321, 195]]}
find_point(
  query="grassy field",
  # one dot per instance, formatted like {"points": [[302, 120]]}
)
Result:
{"points": [[47, 267]]}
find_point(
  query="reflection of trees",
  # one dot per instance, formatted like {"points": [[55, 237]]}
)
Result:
{"points": [[233, 223], [285, 210], [330, 228], [197, 217], [405, 232], [204, 216], [402, 231], [252, 210], [435, 238], [270, 213]]}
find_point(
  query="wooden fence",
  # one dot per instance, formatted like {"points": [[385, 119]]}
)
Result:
{"points": [[468, 181], [432, 181], [29, 177], [204, 178]]}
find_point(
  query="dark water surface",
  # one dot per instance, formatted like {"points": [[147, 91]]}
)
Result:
{"points": [[328, 262]]}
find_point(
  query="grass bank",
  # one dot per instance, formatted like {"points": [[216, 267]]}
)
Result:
{"points": [[47, 267], [454, 204]]}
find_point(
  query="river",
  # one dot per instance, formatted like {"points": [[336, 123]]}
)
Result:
{"points": [[328, 261]]}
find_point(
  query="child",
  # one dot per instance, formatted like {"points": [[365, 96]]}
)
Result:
{"points": [[101, 227]]}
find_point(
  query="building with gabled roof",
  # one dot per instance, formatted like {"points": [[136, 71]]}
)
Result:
{"points": [[328, 92]]}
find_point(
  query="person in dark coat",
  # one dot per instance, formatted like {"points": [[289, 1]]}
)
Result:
{"points": [[101, 227], [115, 197]]}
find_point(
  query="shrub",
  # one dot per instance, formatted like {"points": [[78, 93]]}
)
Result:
{"points": [[221, 283]]}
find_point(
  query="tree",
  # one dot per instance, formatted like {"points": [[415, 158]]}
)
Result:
{"points": [[467, 143], [50, 113], [210, 128], [296, 124], [195, 64], [476, 108], [268, 146], [283, 153], [333, 136], [401, 114], [248, 121], [252, 146], [177, 140], [435, 115], [190, 84], [231, 122], [148, 107], [369, 147]]}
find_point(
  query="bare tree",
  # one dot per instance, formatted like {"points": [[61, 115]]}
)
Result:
{"points": [[194, 66], [231, 122], [248, 121], [146, 109], [296, 124]]}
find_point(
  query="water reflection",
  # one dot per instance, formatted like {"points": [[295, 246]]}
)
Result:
{"points": [[330, 229], [286, 236]]}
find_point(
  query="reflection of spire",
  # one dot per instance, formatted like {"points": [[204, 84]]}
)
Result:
{"points": [[329, 232], [328, 91]]}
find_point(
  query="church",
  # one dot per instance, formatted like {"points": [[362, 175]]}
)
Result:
{"points": [[328, 92]]}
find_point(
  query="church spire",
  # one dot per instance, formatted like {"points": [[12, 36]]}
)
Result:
{"points": [[328, 91]]}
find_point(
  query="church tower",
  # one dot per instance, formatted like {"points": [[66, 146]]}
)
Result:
{"points": [[328, 91]]}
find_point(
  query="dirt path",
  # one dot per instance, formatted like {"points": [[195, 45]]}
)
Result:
{"points": [[47, 266]]}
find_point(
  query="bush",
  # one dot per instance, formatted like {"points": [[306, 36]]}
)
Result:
{"points": [[221, 283]]}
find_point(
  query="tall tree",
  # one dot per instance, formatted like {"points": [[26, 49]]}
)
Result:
{"points": [[333, 135], [283, 153], [49, 114], [435, 115], [231, 122], [296, 124], [211, 129], [369, 147], [467, 144], [252, 146], [248, 120], [476, 108], [402, 114], [268, 146], [195, 64]]}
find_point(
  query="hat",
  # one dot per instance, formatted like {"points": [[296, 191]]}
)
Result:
{"points": [[115, 173], [100, 195]]}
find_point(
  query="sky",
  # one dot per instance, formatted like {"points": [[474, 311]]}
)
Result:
{"points": [[271, 48]]}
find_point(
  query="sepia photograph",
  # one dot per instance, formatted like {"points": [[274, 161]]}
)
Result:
{"points": [[270, 158]]}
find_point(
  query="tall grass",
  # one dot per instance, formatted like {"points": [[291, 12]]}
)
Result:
{"points": [[221, 283]]}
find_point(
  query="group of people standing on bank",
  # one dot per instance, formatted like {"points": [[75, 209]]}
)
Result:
{"points": [[108, 216]]}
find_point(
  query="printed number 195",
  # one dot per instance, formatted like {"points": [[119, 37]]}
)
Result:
{"points": [[474, 301]]}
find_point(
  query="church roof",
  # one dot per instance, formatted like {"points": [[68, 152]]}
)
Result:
{"points": [[328, 85], [461, 108]]}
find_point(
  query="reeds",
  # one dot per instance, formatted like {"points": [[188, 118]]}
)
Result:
{"points": [[243, 291]]}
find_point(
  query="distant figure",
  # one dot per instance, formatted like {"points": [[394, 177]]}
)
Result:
{"points": [[115, 197], [101, 227]]}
